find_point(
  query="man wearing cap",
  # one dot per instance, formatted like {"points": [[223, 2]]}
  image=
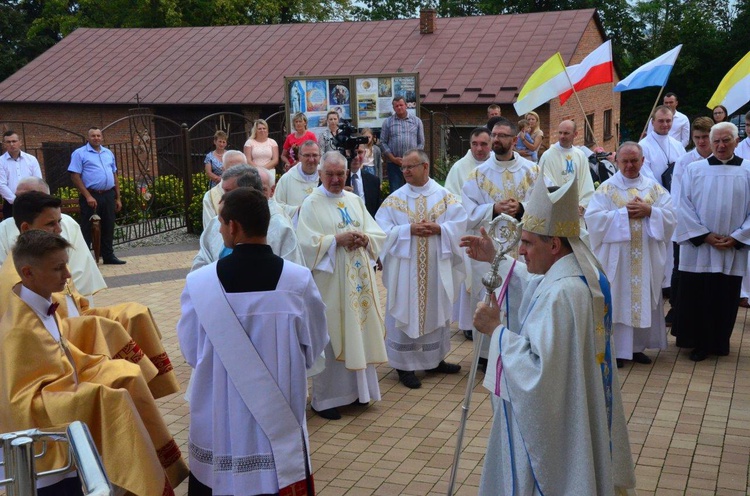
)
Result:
{"points": [[559, 427]]}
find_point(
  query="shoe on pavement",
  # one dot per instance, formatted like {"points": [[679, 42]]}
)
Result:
{"points": [[641, 358], [446, 368], [620, 363], [698, 355], [113, 261], [482, 365], [468, 334], [744, 303], [409, 379], [328, 413]]}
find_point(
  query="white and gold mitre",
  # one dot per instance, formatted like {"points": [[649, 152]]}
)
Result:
{"points": [[553, 214]]}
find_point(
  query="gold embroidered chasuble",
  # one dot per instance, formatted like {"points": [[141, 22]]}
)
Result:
{"points": [[111, 397], [345, 279], [633, 252], [126, 331]]}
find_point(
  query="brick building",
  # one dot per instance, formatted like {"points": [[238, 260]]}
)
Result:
{"points": [[183, 74]]}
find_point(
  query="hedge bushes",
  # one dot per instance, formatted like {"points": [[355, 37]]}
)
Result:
{"points": [[161, 197]]}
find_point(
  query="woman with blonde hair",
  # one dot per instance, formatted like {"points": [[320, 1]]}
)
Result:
{"points": [[537, 135], [372, 163], [214, 159], [260, 150], [291, 145]]}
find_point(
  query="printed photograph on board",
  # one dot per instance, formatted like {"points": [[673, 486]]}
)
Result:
{"points": [[297, 97], [385, 87], [316, 96]]}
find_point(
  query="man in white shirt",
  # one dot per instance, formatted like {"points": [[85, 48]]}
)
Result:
{"points": [[299, 181], [14, 166], [680, 123]]}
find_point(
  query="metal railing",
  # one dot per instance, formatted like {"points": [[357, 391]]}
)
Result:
{"points": [[20, 460]]}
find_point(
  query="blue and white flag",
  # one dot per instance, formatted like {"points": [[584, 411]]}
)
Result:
{"points": [[654, 73]]}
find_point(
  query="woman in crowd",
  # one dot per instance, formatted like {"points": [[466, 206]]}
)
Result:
{"points": [[260, 150], [214, 159], [720, 114], [537, 135], [372, 163], [291, 145], [327, 139]]}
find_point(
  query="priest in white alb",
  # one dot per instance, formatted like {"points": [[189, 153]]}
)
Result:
{"points": [[252, 324], [299, 181], [713, 230], [562, 161], [341, 242], [212, 197], [630, 221], [479, 152], [559, 425], [499, 185], [422, 270], [281, 236]]}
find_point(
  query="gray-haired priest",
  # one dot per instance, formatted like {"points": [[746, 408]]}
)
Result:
{"points": [[559, 427]]}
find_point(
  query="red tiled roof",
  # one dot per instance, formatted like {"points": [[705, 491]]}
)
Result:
{"points": [[481, 59]]}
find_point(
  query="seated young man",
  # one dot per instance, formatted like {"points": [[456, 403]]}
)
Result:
{"points": [[47, 382], [37, 210]]}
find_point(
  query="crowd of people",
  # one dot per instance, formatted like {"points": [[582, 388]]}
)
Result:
{"points": [[285, 289]]}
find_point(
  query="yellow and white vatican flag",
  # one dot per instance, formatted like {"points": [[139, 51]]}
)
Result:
{"points": [[547, 82], [734, 90]]}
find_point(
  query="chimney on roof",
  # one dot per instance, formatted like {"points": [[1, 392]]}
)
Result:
{"points": [[427, 21]]}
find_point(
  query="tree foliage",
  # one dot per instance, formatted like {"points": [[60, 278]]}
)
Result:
{"points": [[714, 33]]}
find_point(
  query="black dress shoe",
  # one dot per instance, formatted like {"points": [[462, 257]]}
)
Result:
{"points": [[620, 363], [468, 334], [669, 318], [409, 379], [113, 261], [482, 365], [641, 358], [698, 355], [359, 403], [446, 368], [328, 413]]}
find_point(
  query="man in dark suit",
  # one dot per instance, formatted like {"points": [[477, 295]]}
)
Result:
{"points": [[364, 184]]}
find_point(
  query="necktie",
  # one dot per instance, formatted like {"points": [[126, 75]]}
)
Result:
{"points": [[52, 308], [355, 184]]}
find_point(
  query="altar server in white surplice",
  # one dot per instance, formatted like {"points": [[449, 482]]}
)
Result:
{"points": [[341, 242], [497, 186], [422, 270], [630, 221], [463, 311], [713, 230], [252, 324], [563, 161], [559, 426], [660, 150]]}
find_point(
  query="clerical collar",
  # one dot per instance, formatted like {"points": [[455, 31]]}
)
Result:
{"points": [[307, 177], [735, 160], [659, 137], [504, 164], [329, 194], [559, 146], [421, 190], [632, 183]]}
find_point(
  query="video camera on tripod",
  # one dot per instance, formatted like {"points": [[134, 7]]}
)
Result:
{"points": [[346, 142]]}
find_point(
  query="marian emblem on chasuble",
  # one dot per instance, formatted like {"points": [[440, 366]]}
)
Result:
{"points": [[346, 219], [360, 284], [568, 165]]}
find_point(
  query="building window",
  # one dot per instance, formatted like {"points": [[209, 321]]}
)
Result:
{"points": [[589, 136], [607, 124]]}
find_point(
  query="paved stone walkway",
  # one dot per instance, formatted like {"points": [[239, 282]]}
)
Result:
{"points": [[689, 423]]}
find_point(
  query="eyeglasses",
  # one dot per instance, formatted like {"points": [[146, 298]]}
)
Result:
{"points": [[405, 168], [501, 136]]}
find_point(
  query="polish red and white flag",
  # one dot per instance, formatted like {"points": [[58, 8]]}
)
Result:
{"points": [[595, 69]]}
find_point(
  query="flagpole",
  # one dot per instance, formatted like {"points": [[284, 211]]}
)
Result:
{"points": [[656, 102], [585, 120], [619, 114]]}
